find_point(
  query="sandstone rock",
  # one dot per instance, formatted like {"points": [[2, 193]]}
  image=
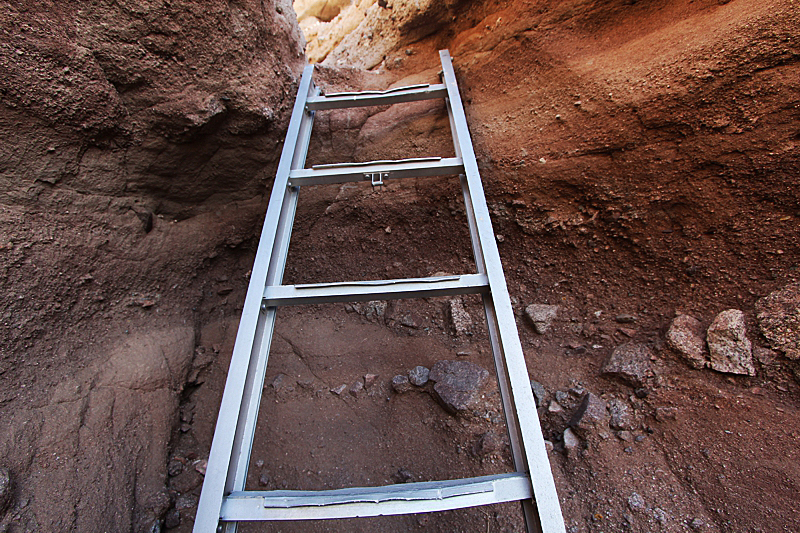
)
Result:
{"points": [[631, 363], [542, 316], [685, 336], [460, 321], [400, 384], [779, 319], [457, 383], [729, 348], [622, 416], [418, 375], [591, 414], [6, 493]]}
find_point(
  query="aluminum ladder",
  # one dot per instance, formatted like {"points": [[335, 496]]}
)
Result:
{"points": [[224, 501]]}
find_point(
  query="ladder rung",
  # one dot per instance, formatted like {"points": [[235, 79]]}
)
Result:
{"points": [[407, 498], [390, 289], [368, 98], [402, 168]]}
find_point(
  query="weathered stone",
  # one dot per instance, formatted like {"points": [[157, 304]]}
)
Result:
{"points": [[186, 501], [418, 375], [666, 413], [622, 416], [627, 436], [631, 363], [356, 387], [6, 492], [264, 479], [174, 467], [685, 336], [591, 414], [571, 442], [173, 519], [460, 321], [625, 319], [555, 407], [779, 319], [369, 380], [539, 393], [457, 383], [339, 390], [487, 444], [636, 502], [373, 310], [729, 348], [400, 384], [542, 316]]}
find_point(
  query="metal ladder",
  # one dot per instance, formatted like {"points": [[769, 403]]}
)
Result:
{"points": [[224, 501]]}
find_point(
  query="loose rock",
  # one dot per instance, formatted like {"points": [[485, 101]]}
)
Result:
{"points": [[539, 393], [621, 415], [542, 316], [729, 348], [400, 384], [666, 413], [173, 519], [174, 468], [369, 380], [460, 321], [339, 390], [636, 502], [591, 414], [264, 479], [5, 489], [487, 444], [571, 442], [685, 336], [418, 375], [631, 363], [779, 319], [356, 387], [457, 383]]}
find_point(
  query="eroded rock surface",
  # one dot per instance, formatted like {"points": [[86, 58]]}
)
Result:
{"points": [[779, 319], [729, 348]]}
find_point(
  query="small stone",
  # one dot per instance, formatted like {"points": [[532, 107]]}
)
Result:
{"points": [[542, 316], [356, 387], [539, 393], [6, 492], [640, 438], [778, 317], [369, 380], [631, 363], [460, 321], [264, 479], [591, 414], [279, 382], [625, 319], [339, 390], [419, 375], [173, 519], [500, 238], [625, 435], [400, 384], [403, 475], [685, 336], [174, 467], [621, 415], [729, 348], [697, 524], [186, 501], [259, 463], [642, 393], [457, 383], [548, 446], [571, 442], [201, 466], [666, 413], [555, 407], [562, 397], [636, 502], [487, 444]]}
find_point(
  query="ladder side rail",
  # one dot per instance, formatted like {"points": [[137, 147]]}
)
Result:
{"points": [[546, 497], [245, 349], [280, 251]]}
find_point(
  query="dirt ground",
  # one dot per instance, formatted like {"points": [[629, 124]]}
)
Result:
{"points": [[640, 159]]}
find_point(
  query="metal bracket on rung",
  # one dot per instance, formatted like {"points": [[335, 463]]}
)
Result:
{"points": [[376, 178]]}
